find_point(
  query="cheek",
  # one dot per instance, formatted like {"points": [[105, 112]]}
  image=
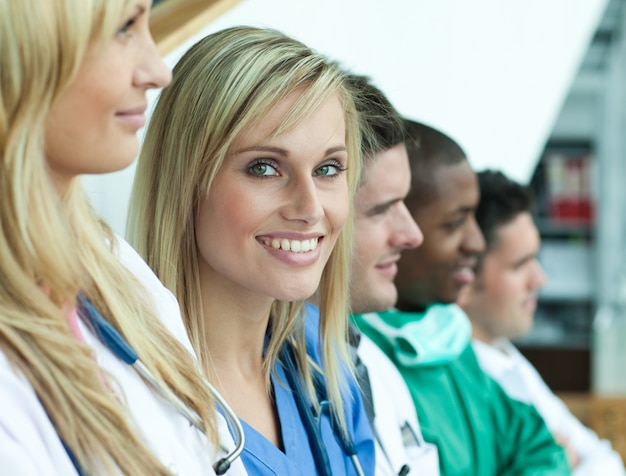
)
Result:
{"points": [[204, 227], [504, 290], [365, 243], [232, 205], [337, 207], [439, 251]]}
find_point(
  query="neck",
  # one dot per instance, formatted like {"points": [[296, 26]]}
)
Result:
{"points": [[235, 324], [60, 182], [482, 335], [409, 306]]}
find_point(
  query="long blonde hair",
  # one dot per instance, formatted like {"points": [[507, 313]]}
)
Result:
{"points": [[53, 247], [224, 83]]}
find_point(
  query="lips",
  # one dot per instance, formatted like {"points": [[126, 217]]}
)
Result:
{"points": [[464, 272], [530, 304], [463, 276], [134, 118], [389, 267]]}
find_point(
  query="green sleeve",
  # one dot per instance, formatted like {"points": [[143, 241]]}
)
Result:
{"points": [[527, 446]]}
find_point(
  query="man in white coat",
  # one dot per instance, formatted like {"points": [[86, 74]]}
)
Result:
{"points": [[501, 304], [383, 228]]}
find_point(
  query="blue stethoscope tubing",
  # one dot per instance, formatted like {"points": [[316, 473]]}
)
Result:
{"points": [[312, 423], [112, 339]]}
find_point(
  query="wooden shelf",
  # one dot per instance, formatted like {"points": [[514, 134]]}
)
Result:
{"points": [[173, 22], [604, 415]]}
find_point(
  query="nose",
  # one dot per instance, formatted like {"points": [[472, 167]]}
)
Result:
{"points": [[302, 201], [473, 240], [406, 233], [539, 277], [151, 72]]}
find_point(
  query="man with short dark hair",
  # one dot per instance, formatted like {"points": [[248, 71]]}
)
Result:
{"points": [[501, 305], [477, 428], [383, 229]]}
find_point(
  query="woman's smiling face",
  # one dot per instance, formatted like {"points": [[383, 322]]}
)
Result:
{"points": [[276, 207]]}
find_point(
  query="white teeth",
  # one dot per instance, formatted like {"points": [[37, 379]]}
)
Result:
{"points": [[295, 246]]}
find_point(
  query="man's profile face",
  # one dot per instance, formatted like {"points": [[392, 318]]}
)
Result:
{"points": [[438, 270], [503, 299], [383, 228]]}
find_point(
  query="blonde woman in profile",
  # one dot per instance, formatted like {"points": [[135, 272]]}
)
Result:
{"points": [[72, 96], [241, 205]]}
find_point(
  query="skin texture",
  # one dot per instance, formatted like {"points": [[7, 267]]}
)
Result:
{"points": [[297, 192], [92, 128], [383, 228], [438, 270], [502, 300], [292, 186]]}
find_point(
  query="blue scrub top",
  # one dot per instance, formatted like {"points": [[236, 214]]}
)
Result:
{"points": [[261, 457]]}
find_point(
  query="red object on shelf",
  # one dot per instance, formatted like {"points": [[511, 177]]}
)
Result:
{"points": [[569, 198], [575, 211]]}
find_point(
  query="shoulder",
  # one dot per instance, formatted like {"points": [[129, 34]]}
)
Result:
{"points": [[472, 381], [311, 316], [388, 386], [492, 360], [163, 300], [29, 444], [377, 361], [136, 265]]}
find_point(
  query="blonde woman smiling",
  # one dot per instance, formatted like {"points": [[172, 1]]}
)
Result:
{"points": [[241, 204]]}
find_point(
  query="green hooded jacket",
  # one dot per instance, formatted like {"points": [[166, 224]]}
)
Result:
{"points": [[477, 428]]}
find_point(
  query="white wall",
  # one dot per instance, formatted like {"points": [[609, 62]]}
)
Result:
{"points": [[491, 73]]}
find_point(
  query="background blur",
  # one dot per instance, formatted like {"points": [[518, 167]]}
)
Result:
{"points": [[534, 88]]}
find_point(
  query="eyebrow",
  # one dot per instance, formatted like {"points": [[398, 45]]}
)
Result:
{"points": [[381, 207], [283, 152], [525, 259], [466, 209], [462, 210]]}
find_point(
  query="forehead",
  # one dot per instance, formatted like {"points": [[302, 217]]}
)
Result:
{"points": [[267, 123], [454, 189], [392, 163], [518, 237], [455, 182], [386, 177], [290, 113]]}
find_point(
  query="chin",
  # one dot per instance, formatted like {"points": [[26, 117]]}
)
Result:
{"points": [[382, 297], [450, 298], [298, 294]]}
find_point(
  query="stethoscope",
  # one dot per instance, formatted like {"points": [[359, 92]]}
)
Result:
{"points": [[112, 339], [311, 421]]}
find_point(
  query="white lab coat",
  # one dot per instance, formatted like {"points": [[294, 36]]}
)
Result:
{"points": [[399, 438], [29, 444], [516, 375]]}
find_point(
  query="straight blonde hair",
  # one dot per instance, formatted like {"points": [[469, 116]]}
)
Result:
{"points": [[54, 247], [226, 82]]}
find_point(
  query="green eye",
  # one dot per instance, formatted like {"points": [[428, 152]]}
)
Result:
{"points": [[326, 170], [329, 169], [262, 169]]}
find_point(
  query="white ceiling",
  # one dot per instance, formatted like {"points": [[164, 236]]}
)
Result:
{"points": [[492, 74]]}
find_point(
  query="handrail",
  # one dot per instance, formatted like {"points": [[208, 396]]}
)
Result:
{"points": [[172, 22]]}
